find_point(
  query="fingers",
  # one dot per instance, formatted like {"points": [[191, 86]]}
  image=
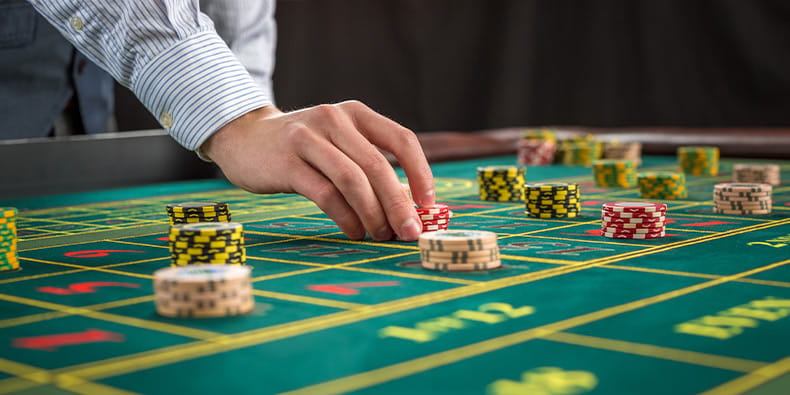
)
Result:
{"points": [[400, 213], [320, 190], [401, 142], [348, 178]]}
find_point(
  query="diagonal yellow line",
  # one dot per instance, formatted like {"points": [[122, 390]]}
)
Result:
{"points": [[417, 365], [114, 318], [684, 243], [7, 323], [783, 284], [28, 377], [647, 350], [752, 379], [309, 300]]}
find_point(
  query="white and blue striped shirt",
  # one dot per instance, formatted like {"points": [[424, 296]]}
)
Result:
{"points": [[168, 53]]}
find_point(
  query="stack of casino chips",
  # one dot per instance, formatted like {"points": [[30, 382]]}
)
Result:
{"points": [[614, 173], [552, 200], [699, 161], [664, 186], [459, 251], [537, 147], [756, 173], [540, 134], [633, 220], [434, 218], [9, 260], [579, 151], [502, 183], [203, 291], [194, 212], [629, 151], [742, 198], [207, 242]]}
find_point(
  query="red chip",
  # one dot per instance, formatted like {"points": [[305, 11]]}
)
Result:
{"points": [[634, 207]]}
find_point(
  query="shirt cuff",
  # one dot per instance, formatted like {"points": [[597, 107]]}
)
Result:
{"points": [[196, 87]]}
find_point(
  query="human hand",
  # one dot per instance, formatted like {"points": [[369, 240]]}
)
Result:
{"points": [[328, 154]]}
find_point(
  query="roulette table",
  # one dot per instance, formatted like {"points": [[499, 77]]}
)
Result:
{"points": [[702, 310]]}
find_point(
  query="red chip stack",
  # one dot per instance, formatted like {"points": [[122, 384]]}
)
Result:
{"points": [[633, 220], [536, 152], [434, 218]]}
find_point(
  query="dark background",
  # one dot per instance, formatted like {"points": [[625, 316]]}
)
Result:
{"points": [[479, 64]]}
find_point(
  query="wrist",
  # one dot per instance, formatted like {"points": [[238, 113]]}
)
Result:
{"points": [[220, 141]]}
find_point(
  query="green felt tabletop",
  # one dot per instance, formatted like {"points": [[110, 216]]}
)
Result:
{"points": [[703, 310]]}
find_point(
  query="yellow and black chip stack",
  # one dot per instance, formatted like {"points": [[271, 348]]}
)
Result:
{"points": [[699, 161], [207, 242], [614, 173], [9, 260], [502, 183], [194, 212], [579, 151], [664, 186], [552, 200], [618, 150]]}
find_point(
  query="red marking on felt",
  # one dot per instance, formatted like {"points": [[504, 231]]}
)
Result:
{"points": [[350, 288], [591, 232], [83, 288], [52, 342], [709, 223], [94, 253], [463, 206]]}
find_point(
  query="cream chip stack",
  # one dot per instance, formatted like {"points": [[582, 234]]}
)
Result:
{"points": [[459, 251]]}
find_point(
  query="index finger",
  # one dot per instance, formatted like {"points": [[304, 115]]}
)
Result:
{"points": [[400, 142]]}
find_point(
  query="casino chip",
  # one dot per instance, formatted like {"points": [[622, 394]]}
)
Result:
{"points": [[628, 151], [664, 186], [194, 212], [501, 183], [552, 200], [614, 173], [578, 150], [434, 218], [756, 173], [537, 147], [203, 291], [9, 260], [207, 243], [633, 220], [699, 161], [734, 198], [458, 251]]}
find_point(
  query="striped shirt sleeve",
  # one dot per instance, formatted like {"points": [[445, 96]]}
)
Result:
{"points": [[168, 54], [250, 30]]}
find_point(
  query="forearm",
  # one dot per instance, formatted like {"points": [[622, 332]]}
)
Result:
{"points": [[168, 54]]}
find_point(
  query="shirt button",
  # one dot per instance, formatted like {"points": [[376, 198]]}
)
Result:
{"points": [[166, 120], [76, 23]]}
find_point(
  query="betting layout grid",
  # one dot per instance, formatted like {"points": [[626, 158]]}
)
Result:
{"points": [[464, 201]]}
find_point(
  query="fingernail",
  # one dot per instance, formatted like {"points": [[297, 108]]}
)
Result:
{"points": [[383, 234], [429, 199], [410, 230]]}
